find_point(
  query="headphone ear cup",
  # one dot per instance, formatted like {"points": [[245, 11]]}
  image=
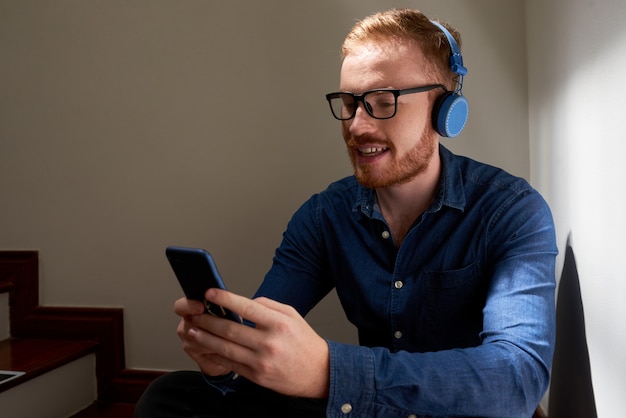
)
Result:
{"points": [[450, 113]]}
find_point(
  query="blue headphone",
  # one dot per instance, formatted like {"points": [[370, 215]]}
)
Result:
{"points": [[451, 108]]}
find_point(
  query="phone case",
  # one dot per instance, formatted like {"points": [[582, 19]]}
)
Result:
{"points": [[196, 272]]}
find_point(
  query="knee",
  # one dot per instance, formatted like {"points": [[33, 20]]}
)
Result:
{"points": [[162, 394]]}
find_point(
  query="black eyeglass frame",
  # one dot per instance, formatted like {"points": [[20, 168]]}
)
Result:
{"points": [[361, 98]]}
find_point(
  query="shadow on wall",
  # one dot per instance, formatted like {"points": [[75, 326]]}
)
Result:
{"points": [[571, 389]]}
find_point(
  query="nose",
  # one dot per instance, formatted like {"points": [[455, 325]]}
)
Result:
{"points": [[362, 122]]}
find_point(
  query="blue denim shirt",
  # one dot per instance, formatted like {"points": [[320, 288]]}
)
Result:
{"points": [[458, 321]]}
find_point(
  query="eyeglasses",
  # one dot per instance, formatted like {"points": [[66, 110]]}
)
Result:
{"points": [[379, 104]]}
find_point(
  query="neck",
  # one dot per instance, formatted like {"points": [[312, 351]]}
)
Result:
{"points": [[402, 204]]}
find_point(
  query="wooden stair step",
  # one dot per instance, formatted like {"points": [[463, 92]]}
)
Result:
{"points": [[38, 356]]}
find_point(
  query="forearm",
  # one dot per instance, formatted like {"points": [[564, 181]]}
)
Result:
{"points": [[493, 380]]}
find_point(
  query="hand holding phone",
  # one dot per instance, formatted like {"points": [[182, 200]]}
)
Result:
{"points": [[196, 272]]}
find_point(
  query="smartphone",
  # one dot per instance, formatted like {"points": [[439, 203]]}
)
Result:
{"points": [[196, 272]]}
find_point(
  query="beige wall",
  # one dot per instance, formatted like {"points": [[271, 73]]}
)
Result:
{"points": [[127, 126]]}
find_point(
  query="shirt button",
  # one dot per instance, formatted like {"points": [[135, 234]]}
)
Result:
{"points": [[386, 234], [398, 284], [397, 334], [346, 408]]}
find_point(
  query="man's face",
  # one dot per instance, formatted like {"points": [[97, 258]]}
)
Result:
{"points": [[389, 151]]}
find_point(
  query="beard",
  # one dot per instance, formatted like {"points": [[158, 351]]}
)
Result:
{"points": [[401, 169]]}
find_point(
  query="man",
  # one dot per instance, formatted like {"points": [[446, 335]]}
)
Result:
{"points": [[445, 265]]}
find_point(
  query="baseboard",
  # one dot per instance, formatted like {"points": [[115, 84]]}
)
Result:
{"points": [[19, 275], [129, 385]]}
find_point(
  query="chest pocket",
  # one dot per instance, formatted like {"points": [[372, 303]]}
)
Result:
{"points": [[454, 300]]}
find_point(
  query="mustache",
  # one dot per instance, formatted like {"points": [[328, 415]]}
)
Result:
{"points": [[355, 141]]}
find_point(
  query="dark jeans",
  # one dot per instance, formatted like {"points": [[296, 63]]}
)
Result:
{"points": [[186, 395]]}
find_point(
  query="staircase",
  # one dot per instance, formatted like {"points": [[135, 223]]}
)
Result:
{"points": [[69, 361]]}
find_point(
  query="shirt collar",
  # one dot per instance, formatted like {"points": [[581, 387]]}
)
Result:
{"points": [[450, 192], [451, 184]]}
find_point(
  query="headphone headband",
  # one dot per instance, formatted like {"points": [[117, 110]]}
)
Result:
{"points": [[456, 59]]}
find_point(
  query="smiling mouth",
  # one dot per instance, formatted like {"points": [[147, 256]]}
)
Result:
{"points": [[371, 151]]}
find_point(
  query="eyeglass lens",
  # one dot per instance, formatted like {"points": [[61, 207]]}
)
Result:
{"points": [[379, 104]]}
